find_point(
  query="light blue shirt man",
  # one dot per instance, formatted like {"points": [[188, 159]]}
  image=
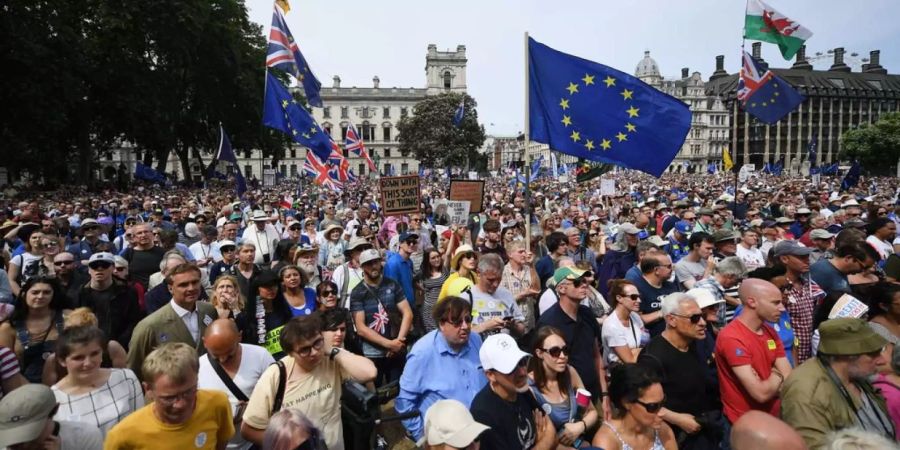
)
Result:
{"points": [[434, 371]]}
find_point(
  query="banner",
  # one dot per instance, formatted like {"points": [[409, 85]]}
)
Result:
{"points": [[456, 210], [468, 190], [400, 195], [607, 186]]}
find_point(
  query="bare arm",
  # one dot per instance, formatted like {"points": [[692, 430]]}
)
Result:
{"points": [[12, 275], [406, 322], [254, 435], [363, 330], [358, 367], [760, 390], [626, 354]]}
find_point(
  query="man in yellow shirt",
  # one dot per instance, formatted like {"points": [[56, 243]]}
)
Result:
{"points": [[181, 416]]}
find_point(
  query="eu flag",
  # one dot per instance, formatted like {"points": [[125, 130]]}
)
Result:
{"points": [[226, 155], [283, 113], [595, 112], [851, 179], [763, 94]]}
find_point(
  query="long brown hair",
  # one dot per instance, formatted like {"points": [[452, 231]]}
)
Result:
{"points": [[537, 364]]}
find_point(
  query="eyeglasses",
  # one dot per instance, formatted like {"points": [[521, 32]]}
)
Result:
{"points": [[307, 350], [694, 318], [458, 322], [556, 351], [328, 293], [100, 265], [633, 297], [62, 263], [652, 408], [170, 400]]}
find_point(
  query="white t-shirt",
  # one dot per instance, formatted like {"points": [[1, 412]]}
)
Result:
{"points": [[752, 257], [615, 334], [885, 249], [548, 299], [254, 361]]}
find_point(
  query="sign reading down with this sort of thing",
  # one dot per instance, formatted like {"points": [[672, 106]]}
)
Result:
{"points": [[400, 195]]}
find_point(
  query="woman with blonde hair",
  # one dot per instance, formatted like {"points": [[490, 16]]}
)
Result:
{"points": [[51, 247], [114, 354], [228, 299]]}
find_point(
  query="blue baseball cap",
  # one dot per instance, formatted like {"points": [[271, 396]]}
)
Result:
{"points": [[683, 226]]}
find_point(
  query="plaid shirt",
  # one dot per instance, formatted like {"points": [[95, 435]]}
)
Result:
{"points": [[803, 299]]}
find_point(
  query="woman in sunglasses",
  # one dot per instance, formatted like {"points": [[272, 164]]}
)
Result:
{"points": [[554, 383], [637, 398], [51, 248], [624, 334]]}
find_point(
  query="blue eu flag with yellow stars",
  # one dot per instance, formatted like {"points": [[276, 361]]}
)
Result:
{"points": [[283, 113], [595, 112]]}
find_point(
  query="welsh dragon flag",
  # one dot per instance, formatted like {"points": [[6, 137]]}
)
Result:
{"points": [[763, 23]]}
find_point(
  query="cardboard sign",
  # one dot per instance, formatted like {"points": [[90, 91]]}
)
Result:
{"points": [[456, 210], [473, 175], [400, 195], [607, 186], [471, 191]]}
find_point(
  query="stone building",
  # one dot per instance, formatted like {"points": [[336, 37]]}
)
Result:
{"points": [[837, 100]]}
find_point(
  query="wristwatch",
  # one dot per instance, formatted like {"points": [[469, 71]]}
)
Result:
{"points": [[334, 353]]}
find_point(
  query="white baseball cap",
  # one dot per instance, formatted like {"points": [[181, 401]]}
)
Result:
{"points": [[501, 353], [450, 422], [703, 297]]}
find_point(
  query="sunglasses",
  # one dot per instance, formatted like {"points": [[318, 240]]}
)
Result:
{"points": [[328, 292], [458, 322], [62, 263], [652, 408], [297, 228], [100, 265], [468, 255], [556, 351], [633, 297], [577, 282], [121, 269], [694, 318]]}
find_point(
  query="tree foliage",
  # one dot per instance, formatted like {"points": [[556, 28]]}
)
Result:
{"points": [[432, 138], [876, 146], [82, 77]]}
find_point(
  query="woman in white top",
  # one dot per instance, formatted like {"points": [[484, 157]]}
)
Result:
{"points": [[882, 232], [89, 393], [28, 264], [623, 332]]}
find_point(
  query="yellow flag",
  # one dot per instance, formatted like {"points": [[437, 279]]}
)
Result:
{"points": [[284, 5], [726, 160]]}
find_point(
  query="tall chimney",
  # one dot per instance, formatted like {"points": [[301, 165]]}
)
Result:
{"points": [[375, 81], [720, 68], [874, 65], [336, 82], [684, 72], [839, 65], [802, 63], [757, 53]]}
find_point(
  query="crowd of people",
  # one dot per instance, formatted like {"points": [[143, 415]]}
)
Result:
{"points": [[679, 312]]}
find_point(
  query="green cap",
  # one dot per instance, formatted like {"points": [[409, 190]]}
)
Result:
{"points": [[567, 273], [848, 336]]}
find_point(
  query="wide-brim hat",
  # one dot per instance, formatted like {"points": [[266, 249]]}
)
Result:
{"points": [[259, 216], [331, 228], [848, 336], [356, 243], [457, 255]]}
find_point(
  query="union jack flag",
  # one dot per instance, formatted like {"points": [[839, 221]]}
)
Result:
{"points": [[340, 164], [354, 143], [381, 319], [284, 54], [753, 76], [321, 172]]}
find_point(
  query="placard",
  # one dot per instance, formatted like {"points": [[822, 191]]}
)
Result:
{"points": [[607, 186], [400, 195], [268, 177], [468, 190], [456, 210], [473, 175]]}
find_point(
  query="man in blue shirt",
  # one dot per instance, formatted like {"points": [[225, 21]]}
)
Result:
{"points": [[443, 364], [850, 258], [399, 267]]}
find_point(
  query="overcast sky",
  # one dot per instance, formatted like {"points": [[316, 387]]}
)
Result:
{"points": [[359, 39]]}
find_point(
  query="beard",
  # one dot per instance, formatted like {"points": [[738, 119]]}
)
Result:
{"points": [[309, 269]]}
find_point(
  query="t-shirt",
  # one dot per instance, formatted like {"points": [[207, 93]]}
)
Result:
{"points": [[828, 277], [736, 346], [499, 305], [651, 301], [104, 406], [316, 394], [254, 361], [689, 270], [79, 436], [143, 263], [752, 257], [512, 423], [616, 334], [210, 424], [885, 249], [582, 336], [680, 372], [377, 302]]}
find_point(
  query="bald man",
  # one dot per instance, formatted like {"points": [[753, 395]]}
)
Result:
{"points": [[750, 357], [233, 368], [759, 431]]}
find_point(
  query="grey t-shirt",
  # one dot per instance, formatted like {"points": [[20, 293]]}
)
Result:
{"points": [[688, 270], [79, 436], [501, 304]]}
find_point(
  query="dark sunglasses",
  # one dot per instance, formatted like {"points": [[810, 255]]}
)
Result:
{"points": [[652, 408], [556, 351], [328, 292], [295, 228], [633, 297], [121, 269], [694, 318], [62, 263], [100, 265], [468, 255], [458, 322]]}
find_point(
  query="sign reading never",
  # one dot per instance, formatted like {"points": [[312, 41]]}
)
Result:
{"points": [[400, 195]]}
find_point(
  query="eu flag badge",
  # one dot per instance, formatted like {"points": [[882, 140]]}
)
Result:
{"points": [[591, 111]]}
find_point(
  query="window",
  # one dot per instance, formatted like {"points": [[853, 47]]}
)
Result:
{"points": [[248, 171], [387, 168], [293, 153], [387, 133], [447, 79], [137, 155], [403, 112], [293, 170], [386, 112], [837, 82], [361, 169], [326, 112], [345, 112], [404, 168], [343, 132], [109, 156], [365, 112], [283, 169], [367, 131], [387, 153], [327, 130]]}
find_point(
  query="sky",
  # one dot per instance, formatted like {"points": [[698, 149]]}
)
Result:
{"points": [[360, 39]]}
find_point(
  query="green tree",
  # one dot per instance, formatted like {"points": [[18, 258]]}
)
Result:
{"points": [[876, 146], [432, 138]]}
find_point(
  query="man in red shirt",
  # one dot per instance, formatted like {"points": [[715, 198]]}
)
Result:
{"points": [[750, 357]]}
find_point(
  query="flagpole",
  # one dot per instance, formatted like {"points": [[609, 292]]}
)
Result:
{"points": [[525, 155]]}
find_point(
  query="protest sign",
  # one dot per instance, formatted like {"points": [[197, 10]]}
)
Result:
{"points": [[607, 186], [468, 190], [400, 195], [457, 211]]}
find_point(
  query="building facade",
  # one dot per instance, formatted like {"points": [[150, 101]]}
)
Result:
{"points": [[837, 100], [709, 133]]}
